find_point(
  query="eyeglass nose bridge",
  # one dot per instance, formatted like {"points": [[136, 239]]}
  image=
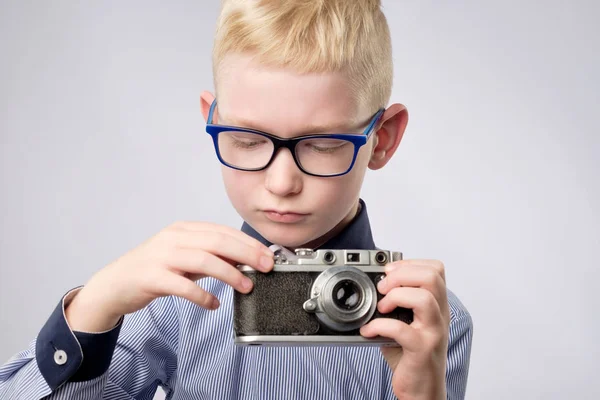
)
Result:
{"points": [[290, 144]]}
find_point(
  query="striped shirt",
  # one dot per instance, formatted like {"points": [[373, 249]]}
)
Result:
{"points": [[189, 352]]}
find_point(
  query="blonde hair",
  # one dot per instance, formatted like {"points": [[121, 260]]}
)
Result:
{"points": [[312, 36]]}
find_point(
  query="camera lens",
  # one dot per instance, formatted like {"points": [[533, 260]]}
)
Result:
{"points": [[347, 295]]}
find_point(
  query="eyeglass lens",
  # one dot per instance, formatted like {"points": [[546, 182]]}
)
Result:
{"points": [[326, 156]]}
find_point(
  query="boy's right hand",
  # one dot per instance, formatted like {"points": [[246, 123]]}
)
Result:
{"points": [[167, 264]]}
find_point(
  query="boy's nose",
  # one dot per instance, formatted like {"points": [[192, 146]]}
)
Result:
{"points": [[283, 177]]}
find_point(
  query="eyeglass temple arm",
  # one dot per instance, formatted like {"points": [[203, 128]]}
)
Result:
{"points": [[211, 112], [374, 122]]}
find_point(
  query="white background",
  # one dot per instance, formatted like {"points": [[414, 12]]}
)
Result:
{"points": [[102, 145]]}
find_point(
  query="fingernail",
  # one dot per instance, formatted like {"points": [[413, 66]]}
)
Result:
{"points": [[269, 253], [246, 283], [382, 284], [215, 304], [266, 262]]}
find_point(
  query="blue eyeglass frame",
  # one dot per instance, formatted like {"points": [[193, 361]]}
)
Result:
{"points": [[358, 140]]}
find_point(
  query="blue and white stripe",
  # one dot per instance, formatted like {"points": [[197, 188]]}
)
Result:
{"points": [[189, 351]]}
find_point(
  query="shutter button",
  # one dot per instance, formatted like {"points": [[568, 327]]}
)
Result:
{"points": [[60, 357]]}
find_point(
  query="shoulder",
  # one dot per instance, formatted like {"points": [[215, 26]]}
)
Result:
{"points": [[460, 318], [457, 308], [459, 347]]}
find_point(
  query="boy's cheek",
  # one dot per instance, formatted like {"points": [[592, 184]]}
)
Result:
{"points": [[240, 181], [240, 186]]}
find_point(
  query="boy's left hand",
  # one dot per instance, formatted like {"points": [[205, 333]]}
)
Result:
{"points": [[419, 365]]}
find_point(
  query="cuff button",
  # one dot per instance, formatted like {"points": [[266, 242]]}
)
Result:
{"points": [[60, 357]]}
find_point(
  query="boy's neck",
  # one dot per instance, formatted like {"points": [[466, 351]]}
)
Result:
{"points": [[336, 230]]}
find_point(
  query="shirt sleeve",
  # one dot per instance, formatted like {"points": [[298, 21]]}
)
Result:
{"points": [[64, 355], [65, 364], [459, 349]]}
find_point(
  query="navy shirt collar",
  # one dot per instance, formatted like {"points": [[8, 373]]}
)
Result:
{"points": [[357, 235]]}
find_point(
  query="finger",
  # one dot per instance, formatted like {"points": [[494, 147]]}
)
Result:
{"points": [[207, 226], [419, 276], [405, 335], [176, 285], [198, 263], [425, 307], [437, 265], [226, 246]]}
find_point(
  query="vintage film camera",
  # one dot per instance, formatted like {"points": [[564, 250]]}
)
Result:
{"points": [[314, 297]]}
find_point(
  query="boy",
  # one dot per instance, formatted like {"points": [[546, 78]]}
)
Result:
{"points": [[288, 69]]}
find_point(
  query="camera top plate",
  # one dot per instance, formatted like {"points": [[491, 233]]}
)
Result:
{"points": [[318, 260]]}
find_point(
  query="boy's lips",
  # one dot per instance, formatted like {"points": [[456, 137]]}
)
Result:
{"points": [[284, 216]]}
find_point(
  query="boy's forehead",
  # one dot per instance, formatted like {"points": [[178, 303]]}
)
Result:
{"points": [[276, 98], [242, 117]]}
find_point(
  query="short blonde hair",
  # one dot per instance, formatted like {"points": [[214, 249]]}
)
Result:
{"points": [[312, 36]]}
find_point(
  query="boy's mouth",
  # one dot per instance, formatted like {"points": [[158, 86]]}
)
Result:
{"points": [[284, 216]]}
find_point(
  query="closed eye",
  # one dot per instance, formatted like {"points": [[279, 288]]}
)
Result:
{"points": [[325, 146], [246, 141]]}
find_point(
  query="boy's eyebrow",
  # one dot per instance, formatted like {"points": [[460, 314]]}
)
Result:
{"points": [[341, 127]]}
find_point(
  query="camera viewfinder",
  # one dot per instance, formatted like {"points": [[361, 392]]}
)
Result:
{"points": [[353, 257]]}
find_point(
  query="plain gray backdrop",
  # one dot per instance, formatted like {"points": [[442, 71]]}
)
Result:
{"points": [[102, 145]]}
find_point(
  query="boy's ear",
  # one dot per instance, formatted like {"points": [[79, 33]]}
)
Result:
{"points": [[206, 99], [389, 134]]}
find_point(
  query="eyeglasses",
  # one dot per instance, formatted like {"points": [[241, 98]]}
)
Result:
{"points": [[325, 155]]}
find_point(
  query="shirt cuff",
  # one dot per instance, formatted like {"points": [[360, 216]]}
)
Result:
{"points": [[65, 355]]}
